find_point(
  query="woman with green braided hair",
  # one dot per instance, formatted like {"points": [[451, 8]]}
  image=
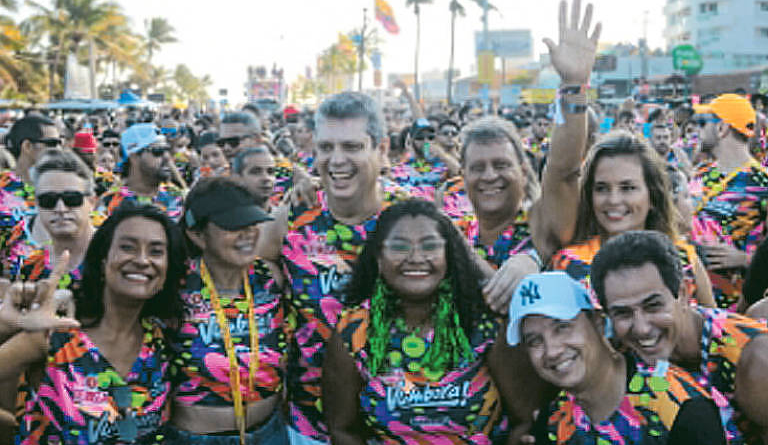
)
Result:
{"points": [[418, 359]]}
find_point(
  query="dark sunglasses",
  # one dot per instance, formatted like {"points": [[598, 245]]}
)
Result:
{"points": [[157, 152], [110, 144], [71, 199], [233, 142], [428, 137], [49, 142], [449, 133]]}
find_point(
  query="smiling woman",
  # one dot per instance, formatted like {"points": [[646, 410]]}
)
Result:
{"points": [[419, 359], [625, 187], [94, 387]]}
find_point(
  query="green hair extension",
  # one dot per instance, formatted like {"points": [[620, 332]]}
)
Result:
{"points": [[450, 344]]}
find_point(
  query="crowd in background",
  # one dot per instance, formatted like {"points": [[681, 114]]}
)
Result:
{"points": [[565, 273]]}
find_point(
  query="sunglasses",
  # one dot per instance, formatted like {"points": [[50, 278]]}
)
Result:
{"points": [[704, 119], [157, 152], [49, 142], [233, 142], [450, 133], [72, 199], [110, 144], [422, 137]]}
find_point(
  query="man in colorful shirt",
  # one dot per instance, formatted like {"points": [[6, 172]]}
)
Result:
{"points": [[27, 138], [428, 165], [638, 278], [147, 166], [318, 244], [730, 195]]}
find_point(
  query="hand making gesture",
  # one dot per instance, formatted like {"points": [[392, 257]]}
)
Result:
{"points": [[36, 306]]}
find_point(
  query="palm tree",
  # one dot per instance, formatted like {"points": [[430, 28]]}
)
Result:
{"points": [[70, 23], [457, 9], [159, 32], [417, 10]]}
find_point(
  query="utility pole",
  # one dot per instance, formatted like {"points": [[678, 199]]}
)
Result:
{"points": [[644, 47], [484, 90], [361, 53]]}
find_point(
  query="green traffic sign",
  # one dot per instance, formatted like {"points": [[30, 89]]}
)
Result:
{"points": [[687, 59]]}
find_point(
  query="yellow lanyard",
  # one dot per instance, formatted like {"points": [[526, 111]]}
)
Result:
{"points": [[720, 186], [234, 367]]}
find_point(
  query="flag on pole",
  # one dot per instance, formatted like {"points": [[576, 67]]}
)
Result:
{"points": [[385, 15]]}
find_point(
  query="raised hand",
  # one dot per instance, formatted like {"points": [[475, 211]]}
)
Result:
{"points": [[574, 55], [35, 306]]}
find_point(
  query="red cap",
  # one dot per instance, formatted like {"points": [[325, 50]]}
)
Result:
{"points": [[290, 110], [84, 142]]}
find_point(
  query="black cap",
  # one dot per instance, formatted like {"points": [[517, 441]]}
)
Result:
{"points": [[229, 208]]}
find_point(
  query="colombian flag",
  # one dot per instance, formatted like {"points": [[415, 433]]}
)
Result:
{"points": [[386, 16]]}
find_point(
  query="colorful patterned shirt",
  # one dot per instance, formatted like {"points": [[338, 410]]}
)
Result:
{"points": [[318, 252], [730, 209], [456, 203], [576, 261], [515, 239], [420, 177], [82, 399], [402, 405], [723, 338], [645, 415], [283, 180], [169, 198], [17, 204], [202, 360]]}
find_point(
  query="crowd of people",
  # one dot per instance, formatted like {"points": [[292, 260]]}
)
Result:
{"points": [[355, 274]]}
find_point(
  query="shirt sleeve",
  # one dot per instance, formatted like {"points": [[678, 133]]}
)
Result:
{"points": [[697, 422]]}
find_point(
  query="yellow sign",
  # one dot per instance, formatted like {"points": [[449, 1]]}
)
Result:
{"points": [[485, 68], [547, 95]]}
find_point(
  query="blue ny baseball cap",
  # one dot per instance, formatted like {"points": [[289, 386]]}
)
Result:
{"points": [[551, 294]]}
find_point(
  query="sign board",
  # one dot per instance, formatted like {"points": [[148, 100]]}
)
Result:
{"points": [[687, 59], [376, 60], [485, 67], [510, 94], [605, 63], [157, 97], [510, 43]]}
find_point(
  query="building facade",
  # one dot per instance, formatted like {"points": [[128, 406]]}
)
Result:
{"points": [[734, 31]]}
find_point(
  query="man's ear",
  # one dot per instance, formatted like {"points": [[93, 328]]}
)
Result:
{"points": [[26, 148]]}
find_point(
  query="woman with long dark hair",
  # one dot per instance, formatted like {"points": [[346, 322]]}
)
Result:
{"points": [[108, 380], [419, 358]]}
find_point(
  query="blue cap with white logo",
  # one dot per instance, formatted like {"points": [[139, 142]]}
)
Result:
{"points": [[551, 294]]}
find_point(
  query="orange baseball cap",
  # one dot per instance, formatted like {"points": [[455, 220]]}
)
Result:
{"points": [[734, 110]]}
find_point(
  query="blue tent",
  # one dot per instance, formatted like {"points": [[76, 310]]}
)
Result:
{"points": [[81, 105], [129, 99]]}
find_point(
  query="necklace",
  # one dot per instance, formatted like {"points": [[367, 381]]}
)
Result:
{"points": [[234, 367]]}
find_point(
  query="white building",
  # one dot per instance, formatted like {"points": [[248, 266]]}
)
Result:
{"points": [[735, 31]]}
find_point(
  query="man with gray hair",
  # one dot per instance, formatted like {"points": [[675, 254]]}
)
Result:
{"points": [[319, 244], [238, 129]]}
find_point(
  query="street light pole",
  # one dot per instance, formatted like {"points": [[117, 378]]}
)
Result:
{"points": [[361, 55], [484, 91]]}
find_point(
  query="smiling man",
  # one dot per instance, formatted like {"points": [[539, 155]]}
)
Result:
{"points": [[318, 244], [638, 278]]}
